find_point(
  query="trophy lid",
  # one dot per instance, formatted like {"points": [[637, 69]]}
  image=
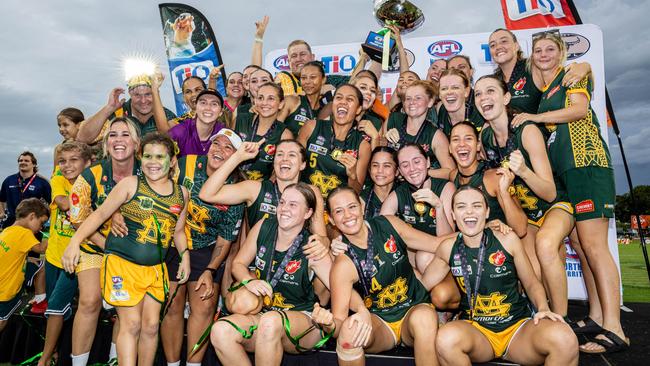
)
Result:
{"points": [[402, 13]]}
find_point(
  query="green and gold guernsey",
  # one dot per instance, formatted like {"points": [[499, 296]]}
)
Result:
{"points": [[471, 114], [390, 287], [420, 215], [498, 303], [292, 288], [576, 144], [476, 181], [525, 96], [205, 222], [265, 204], [302, 114], [371, 200], [143, 214], [97, 184], [533, 206], [323, 171], [262, 166], [423, 137]]}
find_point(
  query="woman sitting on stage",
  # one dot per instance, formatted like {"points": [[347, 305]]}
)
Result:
{"points": [[154, 210], [376, 262], [487, 266], [293, 320]]}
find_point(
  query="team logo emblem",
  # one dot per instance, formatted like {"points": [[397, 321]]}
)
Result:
{"points": [[221, 207], [175, 209], [520, 84], [104, 179], [74, 198], [293, 266], [390, 246], [146, 203], [432, 212], [497, 258], [269, 149]]}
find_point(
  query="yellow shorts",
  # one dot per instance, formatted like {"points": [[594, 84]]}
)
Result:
{"points": [[562, 205], [396, 326], [89, 261], [500, 341], [125, 283]]}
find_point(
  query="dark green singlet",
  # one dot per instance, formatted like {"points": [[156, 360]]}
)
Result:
{"points": [[294, 290], [525, 96], [302, 114], [423, 137], [476, 181], [471, 114], [140, 213], [498, 304], [393, 288], [424, 220], [322, 170], [374, 118], [265, 204], [262, 166]]}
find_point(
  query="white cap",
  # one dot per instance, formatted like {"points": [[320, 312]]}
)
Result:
{"points": [[234, 138]]}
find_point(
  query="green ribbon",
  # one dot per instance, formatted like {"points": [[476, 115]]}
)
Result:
{"points": [[205, 334], [245, 334], [32, 359], [296, 340], [238, 286]]}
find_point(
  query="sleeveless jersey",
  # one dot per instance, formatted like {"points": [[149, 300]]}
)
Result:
{"points": [[205, 222], [498, 304], [524, 92], [423, 137], [294, 290], [302, 114], [576, 144], [265, 204], [89, 192], [393, 289], [371, 200], [374, 118], [141, 212], [322, 170], [420, 215], [476, 181], [471, 114], [262, 166], [533, 206]]}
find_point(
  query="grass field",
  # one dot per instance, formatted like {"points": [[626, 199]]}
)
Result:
{"points": [[636, 286]]}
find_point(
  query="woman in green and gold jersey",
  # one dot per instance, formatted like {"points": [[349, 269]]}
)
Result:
{"points": [[154, 210], [582, 166], [284, 255], [454, 92], [495, 318], [299, 109]]}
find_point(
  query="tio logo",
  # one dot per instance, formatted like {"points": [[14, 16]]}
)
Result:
{"points": [[334, 64], [519, 9], [387, 92], [182, 72]]}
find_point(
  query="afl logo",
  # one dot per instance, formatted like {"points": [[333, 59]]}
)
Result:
{"points": [[520, 84], [576, 44], [281, 63], [444, 49]]}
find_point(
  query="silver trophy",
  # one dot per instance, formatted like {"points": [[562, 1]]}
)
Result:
{"points": [[406, 16]]}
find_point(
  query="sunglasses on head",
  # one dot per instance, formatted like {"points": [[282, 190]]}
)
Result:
{"points": [[555, 33]]}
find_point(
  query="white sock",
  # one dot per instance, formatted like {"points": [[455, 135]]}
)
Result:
{"points": [[193, 364], [113, 352], [80, 360], [177, 363], [39, 298]]}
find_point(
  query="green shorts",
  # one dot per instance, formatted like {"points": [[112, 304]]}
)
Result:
{"points": [[591, 192], [60, 288]]}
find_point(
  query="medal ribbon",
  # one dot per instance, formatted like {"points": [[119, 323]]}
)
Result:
{"points": [[279, 271], [472, 295], [365, 270]]}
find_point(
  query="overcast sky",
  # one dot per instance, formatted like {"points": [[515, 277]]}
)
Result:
{"points": [[60, 53]]}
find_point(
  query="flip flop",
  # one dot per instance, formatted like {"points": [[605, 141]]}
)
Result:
{"points": [[590, 327], [611, 344]]}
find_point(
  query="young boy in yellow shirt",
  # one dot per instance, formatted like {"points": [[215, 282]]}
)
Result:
{"points": [[72, 158], [15, 242]]}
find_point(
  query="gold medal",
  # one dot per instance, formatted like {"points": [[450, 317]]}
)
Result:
{"points": [[367, 302], [505, 163], [420, 208], [267, 301], [336, 154]]}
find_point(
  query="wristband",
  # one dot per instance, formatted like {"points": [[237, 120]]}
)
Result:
{"points": [[259, 40], [213, 270]]}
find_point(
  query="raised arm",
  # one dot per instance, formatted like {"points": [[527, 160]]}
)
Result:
{"points": [[440, 146], [500, 181], [416, 239], [540, 178], [258, 43], [91, 127], [162, 124]]}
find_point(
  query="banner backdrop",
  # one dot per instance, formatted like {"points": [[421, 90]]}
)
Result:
{"points": [[585, 44], [191, 48], [523, 14]]}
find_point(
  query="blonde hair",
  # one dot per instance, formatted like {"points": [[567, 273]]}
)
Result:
{"points": [[456, 72], [554, 37], [133, 131]]}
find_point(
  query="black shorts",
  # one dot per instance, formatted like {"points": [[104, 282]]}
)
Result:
{"points": [[199, 260]]}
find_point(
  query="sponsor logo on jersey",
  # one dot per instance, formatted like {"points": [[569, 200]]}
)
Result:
{"points": [[293, 266], [553, 91], [390, 246], [317, 149], [269, 149], [585, 206], [519, 85], [74, 198], [268, 208], [175, 209], [497, 258]]}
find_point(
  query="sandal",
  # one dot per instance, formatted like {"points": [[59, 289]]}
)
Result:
{"points": [[611, 344], [590, 327]]}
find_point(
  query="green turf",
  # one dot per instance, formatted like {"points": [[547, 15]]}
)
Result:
{"points": [[636, 285]]}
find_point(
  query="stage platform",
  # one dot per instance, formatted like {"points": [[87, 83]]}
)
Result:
{"points": [[22, 339]]}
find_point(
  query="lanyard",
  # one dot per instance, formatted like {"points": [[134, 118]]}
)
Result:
{"points": [[364, 269], [472, 295], [333, 140], [22, 187], [256, 123], [279, 271], [403, 133]]}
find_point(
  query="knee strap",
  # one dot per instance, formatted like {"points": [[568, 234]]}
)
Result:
{"points": [[348, 354]]}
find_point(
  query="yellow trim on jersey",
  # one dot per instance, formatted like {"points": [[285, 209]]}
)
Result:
{"points": [[562, 205], [559, 70]]}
